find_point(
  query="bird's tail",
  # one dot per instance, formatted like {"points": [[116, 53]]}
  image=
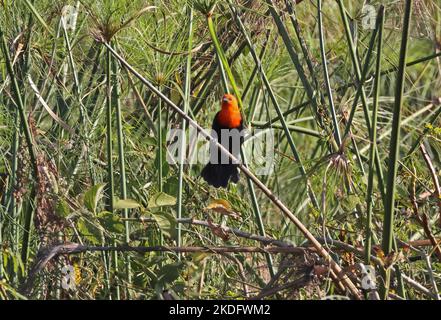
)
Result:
{"points": [[218, 175]]}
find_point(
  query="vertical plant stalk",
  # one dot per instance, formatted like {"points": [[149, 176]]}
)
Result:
{"points": [[122, 166], [277, 108], [253, 74], [110, 180], [337, 135], [348, 129], [223, 66], [358, 77], [223, 59], [258, 214], [31, 149], [394, 147], [349, 285], [182, 147], [295, 59], [160, 155], [115, 272], [364, 73], [13, 210], [20, 104], [70, 57], [373, 133], [306, 53]]}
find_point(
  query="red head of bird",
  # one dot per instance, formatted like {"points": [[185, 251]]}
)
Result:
{"points": [[229, 116]]}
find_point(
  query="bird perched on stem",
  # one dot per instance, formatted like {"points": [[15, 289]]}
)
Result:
{"points": [[227, 129]]}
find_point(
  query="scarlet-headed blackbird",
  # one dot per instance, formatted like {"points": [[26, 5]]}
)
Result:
{"points": [[227, 126]]}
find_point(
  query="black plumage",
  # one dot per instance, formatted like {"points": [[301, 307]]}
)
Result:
{"points": [[220, 174]]}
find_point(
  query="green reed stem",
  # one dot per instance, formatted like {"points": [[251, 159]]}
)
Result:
{"points": [[109, 139], [373, 137], [394, 147], [183, 145], [326, 74], [122, 165], [358, 76]]}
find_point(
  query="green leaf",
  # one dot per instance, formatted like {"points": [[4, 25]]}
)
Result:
{"points": [[167, 274], [125, 204], [150, 141], [161, 199], [90, 231], [62, 209], [92, 196], [167, 223], [171, 186], [349, 202], [111, 222], [199, 257]]}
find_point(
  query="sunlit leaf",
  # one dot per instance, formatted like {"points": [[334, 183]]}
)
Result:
{"points": [[161, 199], [223, 207], [90, 231], [125, 204], [92, 196], [62, 208], [167, 223], [111, 222], [167, 274]]}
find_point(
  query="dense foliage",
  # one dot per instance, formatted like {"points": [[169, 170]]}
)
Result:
{"points": [[84, 143]]}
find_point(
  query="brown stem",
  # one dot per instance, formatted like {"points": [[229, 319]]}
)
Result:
{"points": [[422, 218], [434, 178]]}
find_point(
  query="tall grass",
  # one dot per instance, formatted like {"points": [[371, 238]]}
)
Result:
{"points": [[85, 114]]}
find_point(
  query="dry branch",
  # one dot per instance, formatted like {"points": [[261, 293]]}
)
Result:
{"points": [[234, 231], [47, 254], [377, 261]]}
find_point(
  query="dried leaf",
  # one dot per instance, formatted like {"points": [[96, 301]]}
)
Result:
{"points": [[392, 258], [378, 252], [218, 231], [223, 207]]}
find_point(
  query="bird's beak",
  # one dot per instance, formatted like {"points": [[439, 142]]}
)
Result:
{"points": [[225, 100]]}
